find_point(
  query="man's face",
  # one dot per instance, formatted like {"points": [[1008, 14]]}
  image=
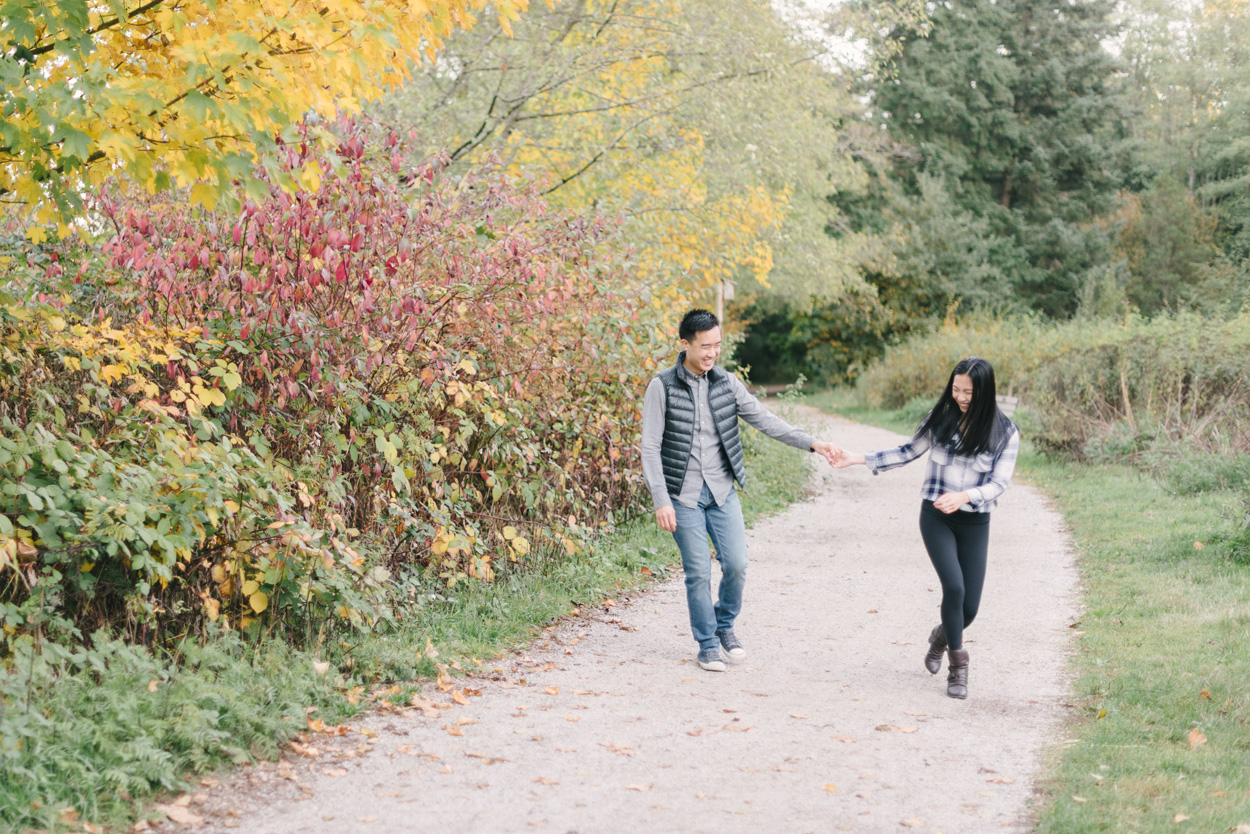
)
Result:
{"points": [[702, 350]]}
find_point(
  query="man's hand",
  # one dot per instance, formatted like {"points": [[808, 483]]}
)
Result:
{"points": [[666, 517], [828, 451], [951, 501]]}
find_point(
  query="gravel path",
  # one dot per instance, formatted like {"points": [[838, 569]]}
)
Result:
{"points": [[831, 724]]}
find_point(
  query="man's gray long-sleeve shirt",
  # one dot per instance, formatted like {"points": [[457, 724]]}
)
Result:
{"points": [[707, 464]]}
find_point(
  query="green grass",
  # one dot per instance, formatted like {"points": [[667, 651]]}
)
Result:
{"points": [[102, 731], [1164, 650]]}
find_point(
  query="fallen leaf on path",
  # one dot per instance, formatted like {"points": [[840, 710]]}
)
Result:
{"points": [[1217, 793], [609, 603], [453, 730], [844, 739], [700, 795], [799, 716], [427, 707], [1196, 739], [639, 788], [738, 728], [572, 718], [912, 822], [729, 710], [316, 725], [872, 611], [179, 814], [905, 712], [784, 769], [305, 750], [446, 769], [1076, 798], [1001, 780], [891, 728], [620, 750], [566, 749], [552, 690], [646, 571], [1179, 818], [369, 818], [536, 823], [384, 794], [831, 788], [697, 732], [583, 692], [1102, 713], [460, 698], [334, 771], [543, 780], [321, 666], [464, 720], [1206, 693]]}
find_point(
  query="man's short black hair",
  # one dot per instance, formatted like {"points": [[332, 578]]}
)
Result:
{"points": [[695, 322]]}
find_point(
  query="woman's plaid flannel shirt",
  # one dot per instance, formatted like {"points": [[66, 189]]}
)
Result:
{"points": [[983, 476]]}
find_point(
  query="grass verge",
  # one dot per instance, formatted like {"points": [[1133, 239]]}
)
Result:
{"points": [[91, 735], [1160, 741]]}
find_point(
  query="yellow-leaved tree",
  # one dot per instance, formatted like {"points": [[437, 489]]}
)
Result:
{"points": [[192, 92], [710, 128]]}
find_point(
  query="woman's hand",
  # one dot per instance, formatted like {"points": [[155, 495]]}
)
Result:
{"points": [[849, 459], [951, 501]]}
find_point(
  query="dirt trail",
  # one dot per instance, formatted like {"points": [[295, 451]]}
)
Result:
{"points": [[831, 724]]}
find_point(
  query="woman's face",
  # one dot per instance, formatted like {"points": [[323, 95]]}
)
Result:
{"points": [[961, 390]]}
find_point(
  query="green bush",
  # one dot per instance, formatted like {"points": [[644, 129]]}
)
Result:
{"points": [[89, 728], [1175, 377]]}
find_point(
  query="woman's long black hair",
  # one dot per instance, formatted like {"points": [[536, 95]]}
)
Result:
{"points": [[983, 428]]}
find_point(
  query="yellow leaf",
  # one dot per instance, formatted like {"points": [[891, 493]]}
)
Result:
{"points": [[37, 234], [831, 788], [521, 545], [204, 195], [231, 506], [509, 532], [250, 587], [259, 601]]}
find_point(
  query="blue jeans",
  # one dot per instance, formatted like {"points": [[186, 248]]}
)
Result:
{"points": [[724, 525]]}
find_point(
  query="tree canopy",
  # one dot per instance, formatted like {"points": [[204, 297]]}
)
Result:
{"points": [[193, 92]]}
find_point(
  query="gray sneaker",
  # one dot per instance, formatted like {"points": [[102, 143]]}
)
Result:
{"points": [[710, 660], [732, 645]]}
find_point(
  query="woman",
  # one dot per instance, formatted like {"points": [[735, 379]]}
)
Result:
{"points": [[973, 452]]}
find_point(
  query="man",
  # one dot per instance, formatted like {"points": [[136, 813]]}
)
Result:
{"points": [[691, 457]]}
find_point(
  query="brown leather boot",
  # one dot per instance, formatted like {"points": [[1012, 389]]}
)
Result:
{"points": [[957, 677], [937, 647]]}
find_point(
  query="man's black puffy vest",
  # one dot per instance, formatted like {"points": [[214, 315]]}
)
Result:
{"points": [[679, 424]]}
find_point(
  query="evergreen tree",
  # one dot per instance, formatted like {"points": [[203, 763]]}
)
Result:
{"points": [[1014, 104]]}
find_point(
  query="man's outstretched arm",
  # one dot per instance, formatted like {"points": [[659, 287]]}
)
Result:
{"points": [[759, 417]]}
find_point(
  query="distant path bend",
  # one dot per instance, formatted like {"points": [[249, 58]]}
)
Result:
{"points": [[832, 724]]}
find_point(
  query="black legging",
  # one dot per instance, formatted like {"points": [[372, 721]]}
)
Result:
{"points": [[957, 545]]}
